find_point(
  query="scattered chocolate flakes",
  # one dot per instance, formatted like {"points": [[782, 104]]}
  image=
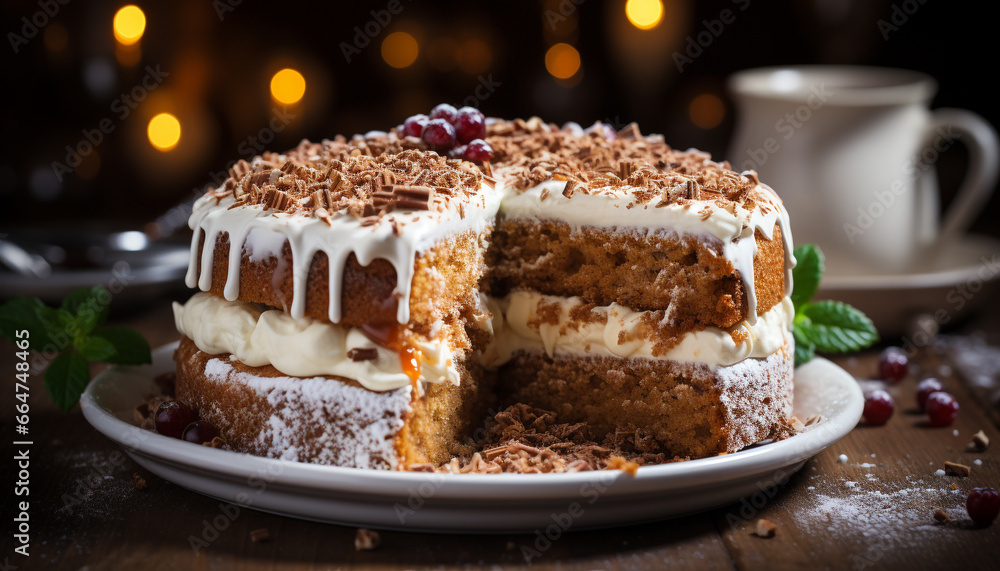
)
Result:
{"points": [[165, 383], [765, 528], [259, 535], [362, 354], [366, 539], [138, 481], [526, 440], [941, 516], [980, 442], [956, 469]]}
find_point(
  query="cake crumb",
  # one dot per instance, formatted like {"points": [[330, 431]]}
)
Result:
{"points": [[138, 481], [955, 469], [954, 486], [619, 463], [259, 535], [765, 528], [366, 539], [842, 459], [980, 442], [941, 515]]}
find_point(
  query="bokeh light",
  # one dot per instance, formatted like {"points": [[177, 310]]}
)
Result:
{"points": [[707, 111], [164, 131], [288, 86], [399, 49], [644, 14], [129, 24], [476, 57], [562, 61]]}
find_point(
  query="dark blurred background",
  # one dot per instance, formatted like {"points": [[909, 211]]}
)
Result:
{"points": [[96, 92]]}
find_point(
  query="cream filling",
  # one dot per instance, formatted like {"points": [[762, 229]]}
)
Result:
{"points": [[513, 315], [301, 347]]}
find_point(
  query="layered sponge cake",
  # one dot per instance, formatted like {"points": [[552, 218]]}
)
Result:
{"points": [[368, 302]]}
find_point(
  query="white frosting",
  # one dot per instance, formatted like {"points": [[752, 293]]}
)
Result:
{"points": [[513, 314], [301, 347], [263, 233], [617, 207]]}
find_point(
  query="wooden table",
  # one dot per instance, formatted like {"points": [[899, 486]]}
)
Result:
{"points": [[873, 511]]}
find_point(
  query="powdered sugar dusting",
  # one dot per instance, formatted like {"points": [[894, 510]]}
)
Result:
{"points": [[901, 514], [362, 436]]}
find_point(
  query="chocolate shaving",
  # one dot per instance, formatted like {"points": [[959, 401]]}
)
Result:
{"points": [[362, 354], [259, 535], [956, 469]]}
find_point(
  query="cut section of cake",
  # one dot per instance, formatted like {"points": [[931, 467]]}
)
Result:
{"points": [[642, 288], [367, 302]]}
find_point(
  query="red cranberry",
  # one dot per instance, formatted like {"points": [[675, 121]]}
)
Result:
{"points": [[414, 124], [479, 151], [924, 390], [942, 408], [470, 123], [171, 418], [892, 364], [878, 407], [200, 431], [983, 505], [446, 112], [439, 135]]}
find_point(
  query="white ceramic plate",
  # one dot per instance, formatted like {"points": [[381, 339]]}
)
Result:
{"points": [[472, 502], [951, 284]]}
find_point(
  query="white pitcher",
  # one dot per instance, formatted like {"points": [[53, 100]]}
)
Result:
{"points": [[851, 151]]}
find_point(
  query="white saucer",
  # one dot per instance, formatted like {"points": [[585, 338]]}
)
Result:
{"points": [[465, 503], [951, 285]]}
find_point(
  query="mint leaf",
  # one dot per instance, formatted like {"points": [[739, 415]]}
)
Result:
{"points": [[130, 347], [835, 327], [96, 349], [805, 349], [66, 378], [807, 273], [31, 314], [89, 307]]}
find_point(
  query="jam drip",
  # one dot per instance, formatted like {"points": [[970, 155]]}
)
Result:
{"points": [[389, 335]]}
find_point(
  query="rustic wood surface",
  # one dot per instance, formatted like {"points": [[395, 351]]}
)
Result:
{"points": [[873, 511]]}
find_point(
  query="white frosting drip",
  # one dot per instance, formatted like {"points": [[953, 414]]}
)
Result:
{"points": [[513, 314], [301, 347], [263, 233], [733, 225]]}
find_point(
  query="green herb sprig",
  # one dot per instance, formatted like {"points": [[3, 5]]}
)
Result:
{"points": [[75, 334], [826, 326]]}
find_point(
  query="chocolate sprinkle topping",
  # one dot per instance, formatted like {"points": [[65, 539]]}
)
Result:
{"points": [[527, 440]]}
